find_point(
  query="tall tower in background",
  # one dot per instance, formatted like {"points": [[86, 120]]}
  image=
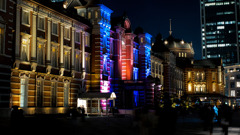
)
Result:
{"points": [[220, 30]]}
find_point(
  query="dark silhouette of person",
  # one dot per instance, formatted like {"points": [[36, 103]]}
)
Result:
{"points": [[210, 119], [83, 114], [225, 118]]}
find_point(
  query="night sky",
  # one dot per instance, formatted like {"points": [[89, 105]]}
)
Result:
{"points": [[153, 16]]}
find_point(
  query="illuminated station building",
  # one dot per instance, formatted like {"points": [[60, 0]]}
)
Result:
{"points": [[70, 54]]}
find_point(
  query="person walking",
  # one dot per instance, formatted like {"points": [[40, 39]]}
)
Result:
{"points": [[226, 116]]}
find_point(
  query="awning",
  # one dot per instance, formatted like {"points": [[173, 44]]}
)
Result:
{"points": [[97, 96]]}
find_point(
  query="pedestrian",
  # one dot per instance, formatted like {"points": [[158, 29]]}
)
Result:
{"points": [[226, 116], [83, 114], [211, 117]]}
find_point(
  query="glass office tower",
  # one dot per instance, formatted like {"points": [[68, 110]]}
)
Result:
{"points": [[220, 30]]}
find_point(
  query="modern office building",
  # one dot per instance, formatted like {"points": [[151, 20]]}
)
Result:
{"points": [[220, 30]]}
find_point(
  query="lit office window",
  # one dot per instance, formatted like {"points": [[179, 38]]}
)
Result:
{"points": [[238, 84], [233, 93]]}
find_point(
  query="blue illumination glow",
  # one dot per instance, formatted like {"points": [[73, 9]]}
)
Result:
{"points": [[136, 98]]}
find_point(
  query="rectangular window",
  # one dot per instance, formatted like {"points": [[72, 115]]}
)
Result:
{"points": [[238, 84], [232, 84], [87, 63], [87, 40], [67, 59], [54, 57], [39, 93], [54, 93], [67, 33], [54, 28], [96, 14], [78, 61], [189, 75], [25, 17], [41, 23], [232, 78], [213, 76], [3, 5], [24, 50], [89, 15], [2, 39], [233, 93], [77, 38], [66, 94], [24, 93], [40, 54]]}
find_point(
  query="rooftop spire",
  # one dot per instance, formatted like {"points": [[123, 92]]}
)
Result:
{"points": [[170, 32]]}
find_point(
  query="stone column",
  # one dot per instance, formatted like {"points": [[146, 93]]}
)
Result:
{"points": [[34, 37], [18, 20], [73, 48], [83, 55], [49, 32], [61, 44], [61, 66]]}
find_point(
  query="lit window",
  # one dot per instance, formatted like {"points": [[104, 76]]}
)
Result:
{"points": [[82, 14], [87, 63], [179, 54], [3, 5], [232, 78], [219, 3], [189, 75], [210, 4], [185, 54], [214, 87], [2, 39], [25, 17], [238, 84], [189, 87], [233, 93], [67, 33], [78, 64], [41, 23], [54, 28], [40, 54], [67, 59], [141, 40], [54, 56], [220, 27], [25, 50], [96, 14], [89, 15]]}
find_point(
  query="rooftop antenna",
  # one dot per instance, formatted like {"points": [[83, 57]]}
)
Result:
{"points": [[170, 32]]}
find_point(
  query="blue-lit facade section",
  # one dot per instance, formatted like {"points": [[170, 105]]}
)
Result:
{"points": [[136, 98]]}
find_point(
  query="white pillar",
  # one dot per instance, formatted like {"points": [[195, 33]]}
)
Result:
{"points": [[61, 44], [17, 32], [83, 50], [34, 37], [73, 47], [49, 33]]}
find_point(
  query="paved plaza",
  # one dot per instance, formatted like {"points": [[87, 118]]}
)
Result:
{"points": [[97, 125]]}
